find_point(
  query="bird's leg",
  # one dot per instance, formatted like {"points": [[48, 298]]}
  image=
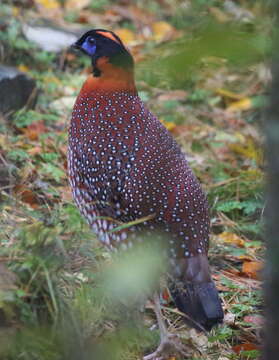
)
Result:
{"points": [[168, 341]]}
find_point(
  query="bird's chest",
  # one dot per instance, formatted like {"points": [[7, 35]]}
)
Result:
{"points": [[104, 139], [107, 149]]}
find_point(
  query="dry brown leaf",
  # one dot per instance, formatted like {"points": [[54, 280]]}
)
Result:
{"points": [[33, 131], [245, 347], [35, 150], [65, 193], [76, 5], [231, 238], [137, 15], [252, 269], [27, 196]]}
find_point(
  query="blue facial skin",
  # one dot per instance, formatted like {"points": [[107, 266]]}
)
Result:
{"points": [[89, 47]]}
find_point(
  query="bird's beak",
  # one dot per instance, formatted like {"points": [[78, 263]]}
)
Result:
{"points": [[75, 46]]}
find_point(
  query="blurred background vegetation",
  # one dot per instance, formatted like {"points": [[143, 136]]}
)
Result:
{"points": [[203, 68]]}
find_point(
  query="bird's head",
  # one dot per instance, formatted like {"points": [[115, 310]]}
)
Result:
{"points": [[104, 46]]}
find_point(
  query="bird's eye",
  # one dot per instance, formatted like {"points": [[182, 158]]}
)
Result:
{"points": [[91, 40]]}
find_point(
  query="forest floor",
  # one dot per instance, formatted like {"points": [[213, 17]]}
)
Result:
{"points": [[201, 68]]}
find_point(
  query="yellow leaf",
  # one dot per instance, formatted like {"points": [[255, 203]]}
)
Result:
{"points": [[15, 11], [48, 4], [168, 124], [161, 30], [231, 238], [249, 150], [252, 268], [23, 68], [253, 174], [229, 94], [126, 35], [243, 104]]}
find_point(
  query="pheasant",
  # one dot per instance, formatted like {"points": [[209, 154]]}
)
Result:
{"points": [[124, 165]]}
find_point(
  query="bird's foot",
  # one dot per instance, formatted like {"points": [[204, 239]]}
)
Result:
{"points": [[169, 344]]}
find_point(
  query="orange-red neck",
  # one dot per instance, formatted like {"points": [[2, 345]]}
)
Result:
{"points": [[111, 79]]}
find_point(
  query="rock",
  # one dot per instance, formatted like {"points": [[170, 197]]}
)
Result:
{"points": [[16, 89], [49, 38]]}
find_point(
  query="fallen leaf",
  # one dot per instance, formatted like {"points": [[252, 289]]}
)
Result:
{"points": [[139, 16], [229, 94], [48, 4], [245, 347], [231, 238], [243, 104], [126, 35], [33, 130], [244, 257], [174, 95], [252, 268], [162, 30], [248, 103], [168, 124], [27, 196], [15, 11], [74, 5], [35, 150], [249, 149], [23, 68], [66, 194]]}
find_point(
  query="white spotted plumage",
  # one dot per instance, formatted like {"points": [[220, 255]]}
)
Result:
{"points": [[124, 165]]}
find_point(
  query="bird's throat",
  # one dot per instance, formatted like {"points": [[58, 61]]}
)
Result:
{"points": [[111, 78]]}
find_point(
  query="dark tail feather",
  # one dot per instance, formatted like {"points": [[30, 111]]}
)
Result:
{"points": [[200, 302]]}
